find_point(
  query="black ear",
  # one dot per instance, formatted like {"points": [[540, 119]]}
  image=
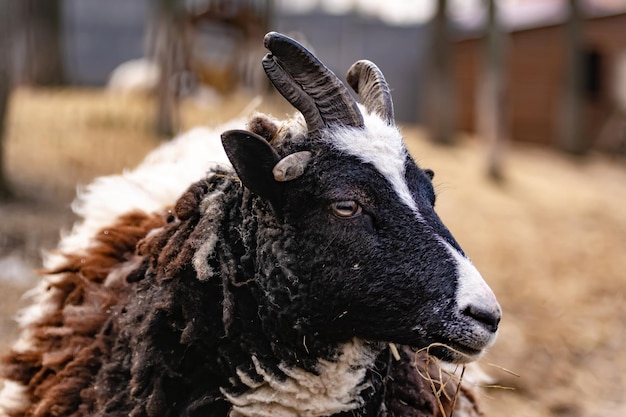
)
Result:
{"points": [[253, 159]]}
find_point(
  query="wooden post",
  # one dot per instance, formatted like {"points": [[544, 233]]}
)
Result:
{"points": [[6, 14], [440, 111], [491, 115], [573, 132], [166, 41], [43, 27]]}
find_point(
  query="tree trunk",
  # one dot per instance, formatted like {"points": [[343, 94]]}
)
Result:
{"points": [[440, 111], [43, 28], [5, 87], [491, 98], [573, 135]]}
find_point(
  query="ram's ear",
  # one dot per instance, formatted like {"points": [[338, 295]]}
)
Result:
{"points": [[253, 159]]}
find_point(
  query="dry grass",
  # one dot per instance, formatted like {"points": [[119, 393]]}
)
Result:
{"points": [[551, 239], [68, 137]]}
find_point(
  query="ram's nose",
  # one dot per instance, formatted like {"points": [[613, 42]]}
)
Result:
{"points": [[488, 317], [474, 298]]}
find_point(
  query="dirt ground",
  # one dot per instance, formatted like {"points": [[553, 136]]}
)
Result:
{"points": [[550, 239]]}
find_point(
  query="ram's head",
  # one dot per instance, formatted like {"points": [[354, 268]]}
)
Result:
{"points": [[373, 259]]}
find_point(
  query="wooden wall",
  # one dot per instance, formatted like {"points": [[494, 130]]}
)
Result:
{"points": [[536, 70]]}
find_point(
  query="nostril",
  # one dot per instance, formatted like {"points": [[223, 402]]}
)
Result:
{"points": [[488, 318]]}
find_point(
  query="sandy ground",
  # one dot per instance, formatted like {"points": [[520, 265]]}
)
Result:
{"points": [[550, 239]]}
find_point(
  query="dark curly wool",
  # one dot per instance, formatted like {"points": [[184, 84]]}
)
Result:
{"points": [[170, 339]]}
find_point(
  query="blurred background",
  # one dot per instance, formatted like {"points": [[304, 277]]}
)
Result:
{"points": [[518, 105]]}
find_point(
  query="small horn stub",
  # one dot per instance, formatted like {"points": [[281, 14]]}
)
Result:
{"points": [[291, 167], [367, 80], [309, 85]]}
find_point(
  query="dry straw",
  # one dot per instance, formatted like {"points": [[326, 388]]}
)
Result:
{"points": [[443, 378]]}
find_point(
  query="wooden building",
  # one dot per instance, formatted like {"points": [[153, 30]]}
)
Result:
{"points": [[536, 67]]}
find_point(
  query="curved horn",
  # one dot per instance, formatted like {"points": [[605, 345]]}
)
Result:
{"points": [[296, 73], [367, 80], [293, 93]]}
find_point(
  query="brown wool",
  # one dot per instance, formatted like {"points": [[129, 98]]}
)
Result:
{"points": [[67, 345]]}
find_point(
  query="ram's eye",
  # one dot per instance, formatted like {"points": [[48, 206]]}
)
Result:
{"points": [[346, 209]]}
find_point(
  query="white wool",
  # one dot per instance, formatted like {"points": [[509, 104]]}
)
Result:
{"points": [[337, 387], [382, 146], [13, 398], [473, 374], [213, 210], [154, 185]]}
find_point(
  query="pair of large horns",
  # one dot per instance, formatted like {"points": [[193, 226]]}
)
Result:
{"points": [[316, 91]]}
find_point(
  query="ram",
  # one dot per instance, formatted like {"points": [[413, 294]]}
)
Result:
{"points": [[297, 268]]}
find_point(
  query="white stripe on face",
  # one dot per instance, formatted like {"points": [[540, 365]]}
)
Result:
{"points": [[380, 145], [472, 290]]}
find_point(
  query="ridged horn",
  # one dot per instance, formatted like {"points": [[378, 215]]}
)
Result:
{"points": [[293, 93], [367, 80], [309, 85]]}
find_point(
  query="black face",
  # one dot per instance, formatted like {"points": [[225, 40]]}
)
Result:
{"points": [[368, 266], [358, 260]]}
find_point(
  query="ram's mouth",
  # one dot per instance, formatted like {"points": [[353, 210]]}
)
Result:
{"points": [[454, 351]]}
